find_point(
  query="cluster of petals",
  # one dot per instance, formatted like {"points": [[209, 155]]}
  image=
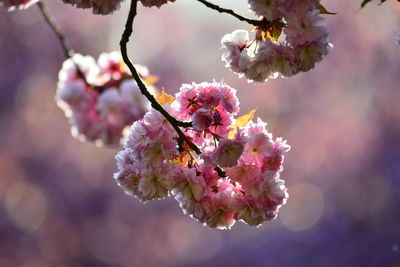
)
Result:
{"points": [[305, 43], [157, 3], [236, 178], [102, 7], [17, 4], [104, 103], [105, 7]]}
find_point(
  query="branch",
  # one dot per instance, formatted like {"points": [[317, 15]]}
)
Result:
{"points": [[232, 13], [123, 44], [68, 51]]}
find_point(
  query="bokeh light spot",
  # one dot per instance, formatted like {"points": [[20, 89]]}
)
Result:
{"points": [[193, 244], [26, 206], [304, 208]]}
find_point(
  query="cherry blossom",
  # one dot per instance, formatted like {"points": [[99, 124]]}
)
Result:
{"points": [[17, 4], [305, 42], [100, 106], [101, 7], [236, 178]]}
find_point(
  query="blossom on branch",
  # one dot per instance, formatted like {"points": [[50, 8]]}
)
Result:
{"points": [[269, 56], [101, 7], [157, 3], [235, 178]]}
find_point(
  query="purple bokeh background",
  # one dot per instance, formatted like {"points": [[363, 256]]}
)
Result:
{"points": [[60, 206]]}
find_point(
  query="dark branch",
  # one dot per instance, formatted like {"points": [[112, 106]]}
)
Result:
{"points": [[232, 13], [123, 43], [175, 123]]}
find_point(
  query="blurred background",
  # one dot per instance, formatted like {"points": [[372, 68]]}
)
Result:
{"points": [[60, 206]]}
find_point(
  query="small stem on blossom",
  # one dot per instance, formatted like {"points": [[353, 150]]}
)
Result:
{"points": [[232, 13], [68, 51], [123, 44]]}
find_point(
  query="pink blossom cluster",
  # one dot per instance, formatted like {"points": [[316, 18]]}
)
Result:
{"points": [[103, 104], [157, 3], [102, 7], [305, 43], [17, 4], [235, 178], [105, 7]]}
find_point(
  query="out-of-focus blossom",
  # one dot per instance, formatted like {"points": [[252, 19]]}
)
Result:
{"points": [[157, 3], [17, 4], [102, 7], [105, 103]]}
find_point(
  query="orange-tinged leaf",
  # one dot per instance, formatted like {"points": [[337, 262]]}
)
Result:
{"points": [[240, 122], [150, 80], [183, 159], [165, 98], [275, 30]]}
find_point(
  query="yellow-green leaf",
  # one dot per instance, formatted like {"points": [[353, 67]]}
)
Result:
{"points": [[323, 10], [165, 98], [275, 30], [240, 122]]}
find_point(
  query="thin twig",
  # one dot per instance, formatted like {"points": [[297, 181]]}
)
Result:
{"points": [[68, 51], [232, 13], [123, 44]]}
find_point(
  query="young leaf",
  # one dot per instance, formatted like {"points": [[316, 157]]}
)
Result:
{"points": [[150, 80], [240, 122], [165, 98]]}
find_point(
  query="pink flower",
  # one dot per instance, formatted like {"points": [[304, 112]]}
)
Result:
{"points": [[201, 119], [306, 27], [101, 111], [258, 146], [111, 64], [102, 7], [17, 4], [233, 45], [227, 153], [157, 3], [246, 184], [269, 9], [305, 43], [228, 99]]}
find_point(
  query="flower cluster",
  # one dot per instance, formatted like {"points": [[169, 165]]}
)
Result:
{"points": [[100, 99], [157, 3], [105, 7], [102, 7], [268, 56], [235, 178], [17, 4]]}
